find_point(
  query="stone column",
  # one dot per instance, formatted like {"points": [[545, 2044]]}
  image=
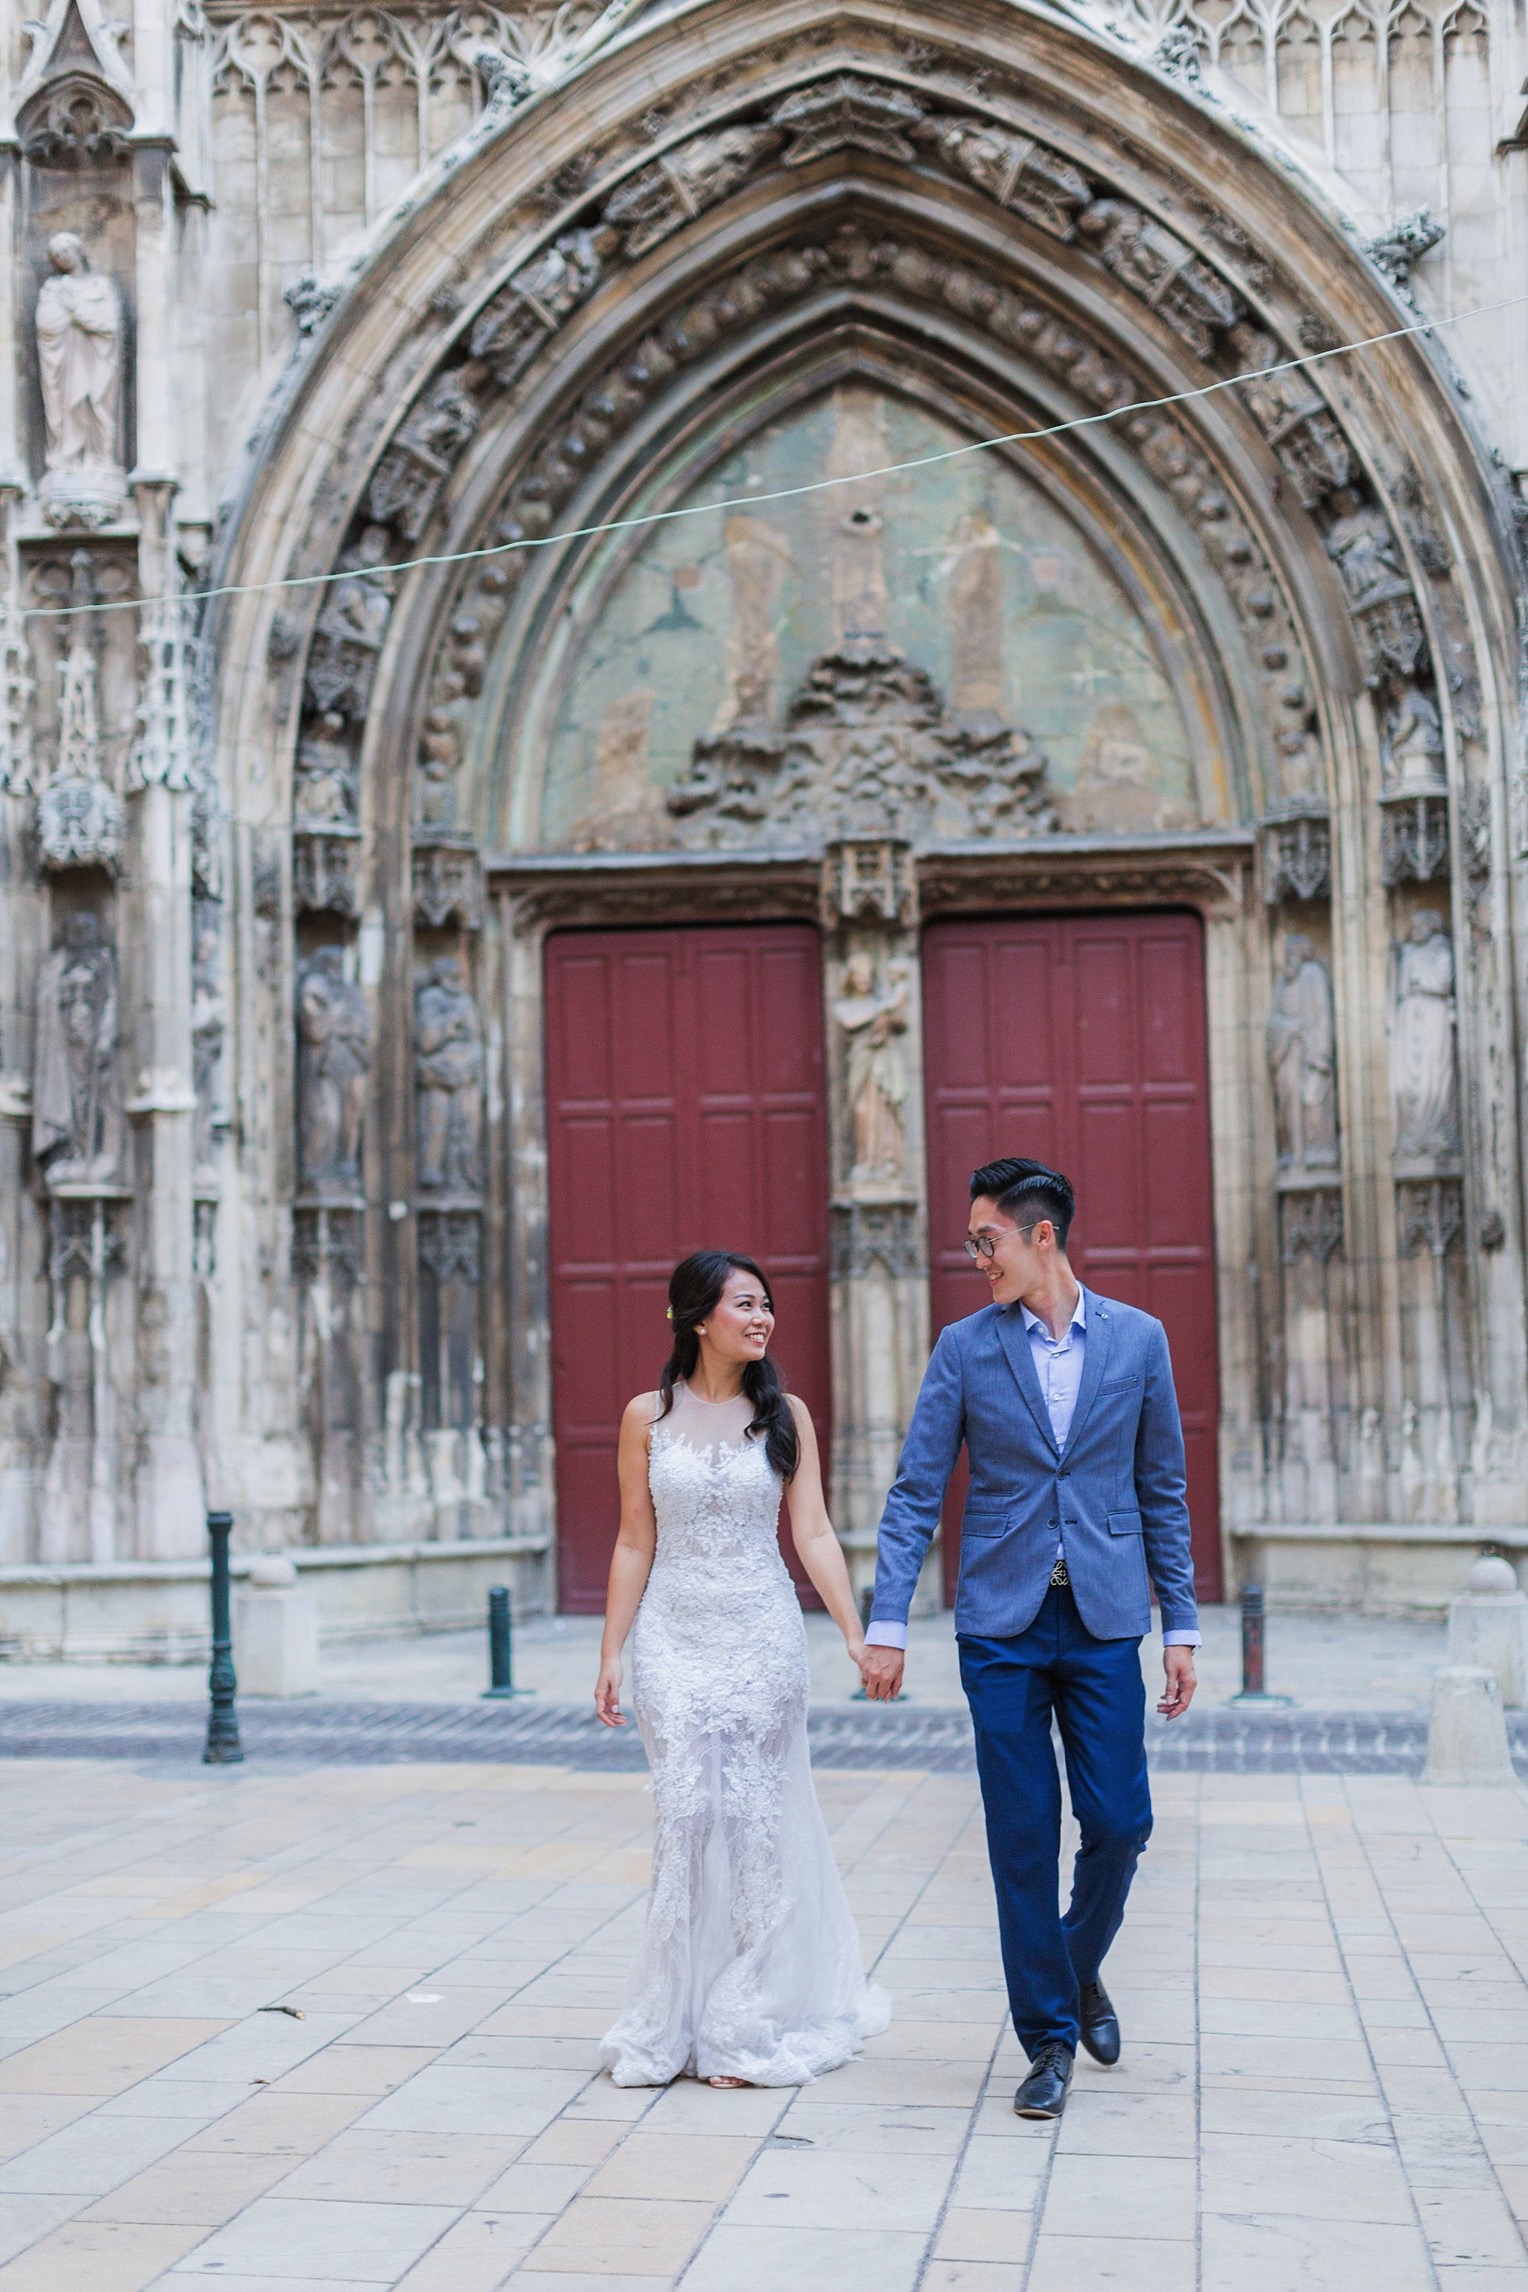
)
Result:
{"points": [[879, 1202], [155, 903], [20, 930]]}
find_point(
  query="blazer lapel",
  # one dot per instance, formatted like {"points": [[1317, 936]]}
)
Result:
{"points": [[1014, 1338], [1100, 1332]]}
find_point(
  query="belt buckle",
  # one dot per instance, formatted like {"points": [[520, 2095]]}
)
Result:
{"points": [[1058, 1574]]}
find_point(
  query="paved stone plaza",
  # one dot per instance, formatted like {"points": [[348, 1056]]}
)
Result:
{"points": [[1325, 2081]]}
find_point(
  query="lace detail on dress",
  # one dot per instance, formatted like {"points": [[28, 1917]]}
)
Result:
{"points": [[750, 1964]]}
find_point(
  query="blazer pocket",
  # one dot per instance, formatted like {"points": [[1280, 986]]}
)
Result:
{"points": [[1121, 1385], [1124, 1524], [984, 1523]]}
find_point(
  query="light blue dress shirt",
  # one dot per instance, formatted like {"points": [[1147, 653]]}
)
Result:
{"points": [[1058, 1366]]}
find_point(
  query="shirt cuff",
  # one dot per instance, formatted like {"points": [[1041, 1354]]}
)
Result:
{"points": [[886, 1635], [1181, 1639]]}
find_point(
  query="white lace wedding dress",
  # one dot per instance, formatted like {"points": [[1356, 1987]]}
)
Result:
{"points": [[750, 1965]]}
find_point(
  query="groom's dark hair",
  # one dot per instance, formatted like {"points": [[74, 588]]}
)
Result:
{"points": [[1027, 1192]]}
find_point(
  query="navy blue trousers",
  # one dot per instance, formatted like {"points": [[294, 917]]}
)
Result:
{"points": [[1095, 1689]]}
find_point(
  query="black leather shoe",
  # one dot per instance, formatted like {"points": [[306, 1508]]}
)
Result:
{"points": [[1044, 2091], [1100, 2024]]}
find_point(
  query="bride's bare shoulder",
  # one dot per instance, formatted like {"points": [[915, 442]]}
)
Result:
{"points": [[641, 1410]]}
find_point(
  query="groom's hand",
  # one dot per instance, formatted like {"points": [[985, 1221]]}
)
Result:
{"points": [[881, 1670], [1178, 1663]]}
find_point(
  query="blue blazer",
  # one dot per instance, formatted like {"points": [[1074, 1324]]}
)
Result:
{"points": [[1115, 1499]]}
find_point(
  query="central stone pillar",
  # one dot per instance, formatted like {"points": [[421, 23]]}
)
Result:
{"points": [[880, 1239]]}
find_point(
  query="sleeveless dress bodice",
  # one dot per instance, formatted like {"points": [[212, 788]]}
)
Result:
{"points": [[750, 1964]]}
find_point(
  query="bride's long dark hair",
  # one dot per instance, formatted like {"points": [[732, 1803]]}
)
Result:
{"points": [[695, 1290]]}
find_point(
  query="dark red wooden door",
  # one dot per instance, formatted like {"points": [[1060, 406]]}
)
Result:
{"points": [[1081, 1040], [684, 1111]]}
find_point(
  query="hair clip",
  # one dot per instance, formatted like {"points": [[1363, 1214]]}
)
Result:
{"points": [[668, 1313]]}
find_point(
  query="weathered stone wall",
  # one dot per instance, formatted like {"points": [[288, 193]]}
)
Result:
{"points": [[321, 292]]}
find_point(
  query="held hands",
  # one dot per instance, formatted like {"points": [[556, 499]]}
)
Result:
{"points": [[1178, 1663], [881, 1670], [607, 1693]]}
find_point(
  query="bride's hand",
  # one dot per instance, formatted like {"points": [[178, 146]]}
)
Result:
{"points": [[855, 1649], [607, 1693]]}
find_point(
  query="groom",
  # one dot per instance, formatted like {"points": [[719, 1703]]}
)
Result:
{"points": [[1064, 1401]]}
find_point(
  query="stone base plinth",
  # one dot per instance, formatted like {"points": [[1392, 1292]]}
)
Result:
{"points": [[1385, 1568], [157, 1611]]}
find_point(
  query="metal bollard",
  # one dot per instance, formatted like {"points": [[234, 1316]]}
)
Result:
{"points": [[223, 1746], [501, 1673], [1252, 1688]]}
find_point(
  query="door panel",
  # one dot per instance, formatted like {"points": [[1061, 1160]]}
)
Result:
{"points": [[685, 1110], [1081, 1041]]}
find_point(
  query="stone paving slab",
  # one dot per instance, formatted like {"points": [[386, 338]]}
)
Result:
{"points": [[1218, 1740], [1323, 1983]]}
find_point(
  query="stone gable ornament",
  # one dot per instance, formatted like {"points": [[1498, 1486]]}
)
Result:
{"points": [[867, 750], [79, 817], [79, 359]]}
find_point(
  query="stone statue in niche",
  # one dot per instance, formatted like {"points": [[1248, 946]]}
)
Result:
{"points": [[325, 792], [1412, 747], [448, 1079], [874, 1020], [79, 360], [1302, 1059], [209, 1024], [333, 1060], [76, 1104], [1422, 1043]]}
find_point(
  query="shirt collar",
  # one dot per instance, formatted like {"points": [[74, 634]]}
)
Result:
{"points": [[1079, 1318]]}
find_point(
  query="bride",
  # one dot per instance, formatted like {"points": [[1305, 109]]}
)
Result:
{"points": [[749, 1972]]}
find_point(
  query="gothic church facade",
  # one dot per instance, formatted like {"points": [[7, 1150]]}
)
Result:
{"points": [[654, 624]]}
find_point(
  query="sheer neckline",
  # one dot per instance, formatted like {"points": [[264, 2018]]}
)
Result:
{"points": [[706, 1425]]}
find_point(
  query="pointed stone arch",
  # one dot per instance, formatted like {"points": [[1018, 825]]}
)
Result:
{"points": [[710, 217]]}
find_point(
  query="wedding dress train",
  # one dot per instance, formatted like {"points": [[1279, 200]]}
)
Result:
{"points": [[750, 1964]]}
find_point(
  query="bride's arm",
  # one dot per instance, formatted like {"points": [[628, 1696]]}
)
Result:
{"points": [[636, 1541], [822, 1555]]}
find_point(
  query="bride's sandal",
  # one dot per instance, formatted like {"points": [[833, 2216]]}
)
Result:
{"points": [[728, 2084]]}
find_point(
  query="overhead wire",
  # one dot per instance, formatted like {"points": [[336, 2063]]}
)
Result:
{"points": [[755, 500]]}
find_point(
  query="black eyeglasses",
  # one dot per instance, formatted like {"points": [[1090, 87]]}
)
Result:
{"points": [[985, 1245]]}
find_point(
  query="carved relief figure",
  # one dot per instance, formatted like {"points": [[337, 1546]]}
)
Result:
{"points": [[448, 1077], [1302, 1059], [334, 1056], [79, 358], [1422, 1044], [874, 1020], [351, 627], [76, 1107]]}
